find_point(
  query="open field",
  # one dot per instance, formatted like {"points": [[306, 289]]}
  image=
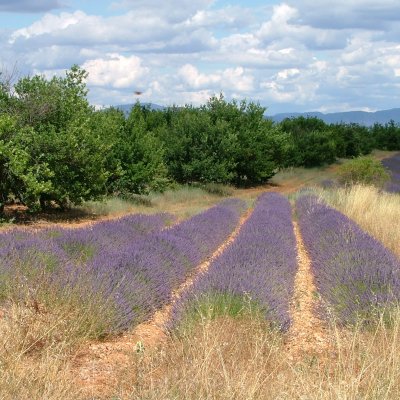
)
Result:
{"points": [[206, 297]]}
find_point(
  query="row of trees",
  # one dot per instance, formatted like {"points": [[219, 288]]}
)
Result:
{"points": [[55, 149]]}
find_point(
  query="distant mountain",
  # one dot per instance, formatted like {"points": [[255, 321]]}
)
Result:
{"points": [[358, 117]]}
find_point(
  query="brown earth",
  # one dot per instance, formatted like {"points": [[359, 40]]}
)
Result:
{"points": [[97, 366], [308, 334]]}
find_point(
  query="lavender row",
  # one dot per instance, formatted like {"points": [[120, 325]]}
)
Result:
{"points": [[259, 265], [354, 273], [140, 278], [123, 269], [393, 165], [29, 257]]}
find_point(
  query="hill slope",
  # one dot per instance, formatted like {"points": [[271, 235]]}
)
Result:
{"points": [[359, 117]]}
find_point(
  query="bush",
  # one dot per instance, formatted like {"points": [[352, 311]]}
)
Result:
{"points": [[363, 170]]}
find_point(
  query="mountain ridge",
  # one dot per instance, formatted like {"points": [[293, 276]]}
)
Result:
{"points": [[359, 117], [366, 118]]}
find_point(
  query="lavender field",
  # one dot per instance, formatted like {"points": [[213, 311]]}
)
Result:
{"points": [[230, 328], [123, 270], [393, 165], [259, 267], [354, 273]]}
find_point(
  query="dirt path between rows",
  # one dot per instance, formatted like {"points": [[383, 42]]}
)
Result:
{"points": [[308, 334], [98, 366]]}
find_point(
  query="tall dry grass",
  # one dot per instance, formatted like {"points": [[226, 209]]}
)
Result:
{"points": [[35, 349], [183, 202], [241, 359], [375, 211]]}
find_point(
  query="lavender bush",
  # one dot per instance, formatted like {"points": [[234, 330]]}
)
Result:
{"points": [[140, 277], [354, 273], [393, 165], [50, 264], [257, 268], [122, 270]]}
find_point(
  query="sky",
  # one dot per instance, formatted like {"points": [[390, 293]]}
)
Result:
{"points": [[290, 56]]}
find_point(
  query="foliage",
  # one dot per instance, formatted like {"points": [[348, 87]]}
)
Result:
{"points": [[196, 149], [311, 142], [20, 175], [364, 170], [140, 156], [59, 159], [387, 137], [220, 142], [56, 150], [352, 140]]}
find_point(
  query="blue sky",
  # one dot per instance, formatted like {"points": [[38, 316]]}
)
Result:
{"points": [[293, 55]]}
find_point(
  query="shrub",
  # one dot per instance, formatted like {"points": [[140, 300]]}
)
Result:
{"points": [[364, 170]]}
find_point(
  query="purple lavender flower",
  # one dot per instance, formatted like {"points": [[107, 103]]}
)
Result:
{"points": [[354, 272], [393, 165], [126, 268], [145, 272], [259, 265]]}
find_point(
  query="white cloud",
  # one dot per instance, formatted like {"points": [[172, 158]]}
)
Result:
{"points": [[344, 14], [48, 24], [116, 71], [298, 55], [285, 27], [192, 78], [237, 79], [232, 79], [174, 11]]}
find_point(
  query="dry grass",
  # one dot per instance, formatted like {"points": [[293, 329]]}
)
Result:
{"points": [[35, 346], [300, 176], [376, 212], [221, 359], [183, 202], [241, 359]]}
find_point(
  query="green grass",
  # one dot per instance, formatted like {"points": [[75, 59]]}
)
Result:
{"points": [[210, 306]]}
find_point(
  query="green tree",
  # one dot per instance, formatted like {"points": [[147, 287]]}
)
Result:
{"points": [[139, 154], [387, 137], [53, 122], [198, 148], [21, 176], [312, 142]]}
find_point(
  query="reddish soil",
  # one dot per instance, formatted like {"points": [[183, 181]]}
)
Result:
{"points": [[54, 218], [98, 365], [308, 334]]}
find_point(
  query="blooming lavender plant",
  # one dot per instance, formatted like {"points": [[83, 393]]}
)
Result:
{"points": [[102, 237], [122, 269], [140, 278], [259, 266], [354, 273], [393, 165], [34, 264]]}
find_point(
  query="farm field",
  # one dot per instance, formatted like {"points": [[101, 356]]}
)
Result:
{"points": [[267, 293], [393, 164]]}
